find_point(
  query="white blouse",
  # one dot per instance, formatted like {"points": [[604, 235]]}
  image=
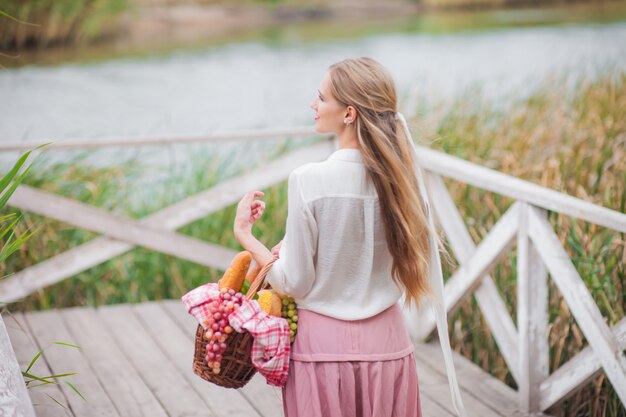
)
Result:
{"points": [[334, 258]]}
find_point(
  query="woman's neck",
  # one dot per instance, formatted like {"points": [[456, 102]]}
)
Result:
{"points": [[348, 138]]}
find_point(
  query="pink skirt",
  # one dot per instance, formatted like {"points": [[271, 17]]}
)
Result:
{"points": [[360, 368]]}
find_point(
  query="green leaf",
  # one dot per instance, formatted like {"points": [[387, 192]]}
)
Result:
{"points": [[4, 230], [54, 399], [10, 176], [5, 14], [36, 386], [35, 377], [12, 247], [8, 16], [67, 344], [46, 379], [32, 362], [76, 390], [5, 197], [7, 217], [13, 172], [8, 248], [61, 375]]}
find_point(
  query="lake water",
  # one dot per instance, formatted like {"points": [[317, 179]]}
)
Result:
{"points": [[270, 82]]}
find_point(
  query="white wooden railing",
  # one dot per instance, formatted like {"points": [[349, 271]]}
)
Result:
{"points": [[539, 251]]}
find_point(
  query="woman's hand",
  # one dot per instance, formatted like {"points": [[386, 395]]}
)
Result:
{"points": [[249, 211]]}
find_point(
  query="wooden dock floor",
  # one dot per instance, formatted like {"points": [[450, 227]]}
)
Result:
{"points": [[135, 360]]}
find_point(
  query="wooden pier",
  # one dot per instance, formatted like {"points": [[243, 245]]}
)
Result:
{"points": [[135, 360]]}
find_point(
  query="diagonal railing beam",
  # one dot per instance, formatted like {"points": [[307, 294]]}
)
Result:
{"points": [[577, 371], [584, 309], [193, 208], [467, 276], [120, 228]]}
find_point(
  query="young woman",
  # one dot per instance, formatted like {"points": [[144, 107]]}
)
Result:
{"points": [[359, 246]]}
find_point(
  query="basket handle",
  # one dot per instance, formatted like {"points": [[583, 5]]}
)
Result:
{"points": [[259, 280]]}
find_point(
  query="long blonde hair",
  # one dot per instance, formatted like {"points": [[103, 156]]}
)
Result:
{"points": [[387, 153]]}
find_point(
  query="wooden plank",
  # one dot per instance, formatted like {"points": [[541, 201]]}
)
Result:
{"points": [[435, 386], [115, 372], [120, 227], [255, 134], [579, 301], [178, 346], [158, 373], [265, 398], [473, 380], [507, 185], [576, 372], [430, 408], [532, 316], [25, 350], [489, 301], [487, 254], [187, 211], [47, 327]]}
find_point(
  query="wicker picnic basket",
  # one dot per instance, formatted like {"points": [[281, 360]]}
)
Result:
{"points": [[237, 369]]}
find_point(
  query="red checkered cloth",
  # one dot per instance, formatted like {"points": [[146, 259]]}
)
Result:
{"points": [[271, 344], [198, 300], [270, 348]]}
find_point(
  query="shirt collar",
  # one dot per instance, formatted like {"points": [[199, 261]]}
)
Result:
{"points": [[347, 154]]}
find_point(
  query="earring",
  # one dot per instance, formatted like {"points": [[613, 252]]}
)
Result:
{"points": [[347, 122]]}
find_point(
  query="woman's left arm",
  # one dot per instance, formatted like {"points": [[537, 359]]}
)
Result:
{"points": [[249, 211]]}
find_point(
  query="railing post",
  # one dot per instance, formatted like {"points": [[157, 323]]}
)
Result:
{"points": [[532, 317]]}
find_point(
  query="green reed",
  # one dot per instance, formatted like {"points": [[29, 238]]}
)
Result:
{"points": [[40, 23], [571, 142]]}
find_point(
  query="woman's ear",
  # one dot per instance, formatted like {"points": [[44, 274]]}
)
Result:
{"points": [[350, 114]]}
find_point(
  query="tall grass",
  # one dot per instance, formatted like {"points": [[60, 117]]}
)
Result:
{"points": [[41, 23], [573, 143]]}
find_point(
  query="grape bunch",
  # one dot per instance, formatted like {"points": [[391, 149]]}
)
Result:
{"points": [[291, 314], [218, 328]]}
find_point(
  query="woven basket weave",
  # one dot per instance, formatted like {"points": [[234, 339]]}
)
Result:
{"points": [[236, 366]]}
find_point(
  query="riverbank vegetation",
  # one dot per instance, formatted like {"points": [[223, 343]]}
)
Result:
{"points": [[571, 142], [39, 24], [44, 23]]}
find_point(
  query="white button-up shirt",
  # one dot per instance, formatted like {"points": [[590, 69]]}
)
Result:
{"points": [[334, 258]]}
